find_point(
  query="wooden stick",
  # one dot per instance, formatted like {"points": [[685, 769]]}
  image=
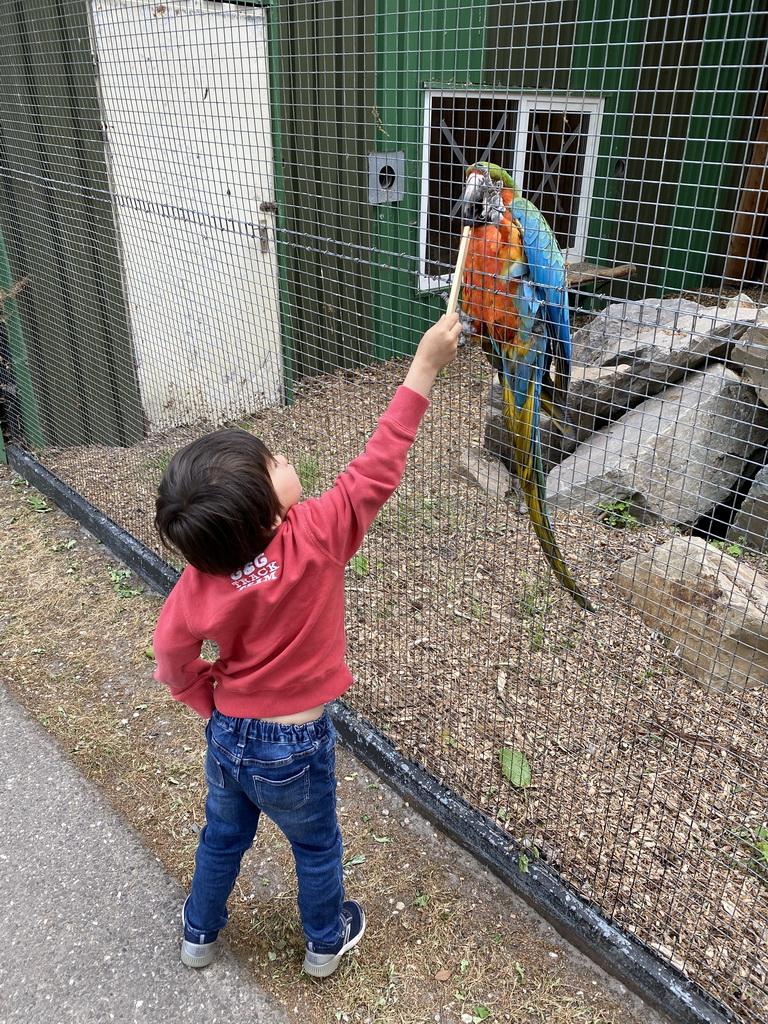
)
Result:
{"points": [[459, 271]]}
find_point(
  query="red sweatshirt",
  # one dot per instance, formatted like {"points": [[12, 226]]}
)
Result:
{"points": [[279, 621]]}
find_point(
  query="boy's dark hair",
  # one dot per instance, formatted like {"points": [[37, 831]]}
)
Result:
{"points": [[216, 504]]}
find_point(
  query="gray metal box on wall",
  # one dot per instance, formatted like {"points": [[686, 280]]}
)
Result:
{"points": [[386, 177]]}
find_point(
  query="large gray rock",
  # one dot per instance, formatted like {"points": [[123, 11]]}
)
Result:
{"points": [[644, 359], [750, 527], [621, 321], [713, 609], [678, 333], [675, 457]]}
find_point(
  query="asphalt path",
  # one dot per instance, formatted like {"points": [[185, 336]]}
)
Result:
{"points": [[90, 924]]}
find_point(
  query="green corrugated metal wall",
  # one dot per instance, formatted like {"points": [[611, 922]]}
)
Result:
{"points": [[56, 217]]}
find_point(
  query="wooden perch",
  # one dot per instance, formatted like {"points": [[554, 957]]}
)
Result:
{"points": [[459, 271], [588, 273]]}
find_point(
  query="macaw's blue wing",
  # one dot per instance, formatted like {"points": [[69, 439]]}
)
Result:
{"points": [[522, 372], [547, 275]]}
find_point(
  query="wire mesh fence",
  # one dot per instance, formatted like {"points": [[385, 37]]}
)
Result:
{"points": [[232, 214]]}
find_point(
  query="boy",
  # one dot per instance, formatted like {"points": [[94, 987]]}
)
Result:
{"points": [[265, 581]]}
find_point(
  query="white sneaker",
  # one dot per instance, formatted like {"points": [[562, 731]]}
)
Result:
{"points": [[196, 954], [321, 965]]}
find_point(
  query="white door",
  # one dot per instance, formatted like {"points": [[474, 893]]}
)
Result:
{"points": [[185, 99]]}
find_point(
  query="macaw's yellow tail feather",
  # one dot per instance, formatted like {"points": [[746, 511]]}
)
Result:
{"points": [[543, 530], [521, 424]]}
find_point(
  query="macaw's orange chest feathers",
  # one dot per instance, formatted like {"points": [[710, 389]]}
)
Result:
{"points": [[489, 288]]}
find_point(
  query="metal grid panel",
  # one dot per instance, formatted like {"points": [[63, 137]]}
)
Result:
{"points": [[232, 214]]}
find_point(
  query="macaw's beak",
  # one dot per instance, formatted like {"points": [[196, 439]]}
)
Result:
{"points": [[473, 205]]}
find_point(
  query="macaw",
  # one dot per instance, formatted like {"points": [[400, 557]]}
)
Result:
{"points": [[514, 287]]}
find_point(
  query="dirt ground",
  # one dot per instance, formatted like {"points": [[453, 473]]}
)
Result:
{"points": [[446, 941]]}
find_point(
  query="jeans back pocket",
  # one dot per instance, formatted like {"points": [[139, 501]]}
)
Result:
{"points": [[282, 795]]}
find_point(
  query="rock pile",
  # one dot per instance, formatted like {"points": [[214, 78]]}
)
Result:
{"points": [[669, 402]]}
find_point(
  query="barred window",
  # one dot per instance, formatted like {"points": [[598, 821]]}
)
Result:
{"points": [[548, 145]]}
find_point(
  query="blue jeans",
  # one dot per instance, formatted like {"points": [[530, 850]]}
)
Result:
{"points": [[286, 771]]}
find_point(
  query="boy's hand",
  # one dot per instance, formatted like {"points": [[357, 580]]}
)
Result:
{"points": [[439, 345], [436, 349]]}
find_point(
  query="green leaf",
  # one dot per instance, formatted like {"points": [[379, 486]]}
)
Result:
{"points": [[524, 863], [447, 740], [354, 861], [515, 766], [480, 1013], [38, 504], [359, 563]]}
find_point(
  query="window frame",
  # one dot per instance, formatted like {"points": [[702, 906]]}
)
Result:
{"points": [[528, 103]]}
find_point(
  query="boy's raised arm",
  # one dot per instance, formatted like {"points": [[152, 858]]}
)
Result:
{"points": [[341, 517]]}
